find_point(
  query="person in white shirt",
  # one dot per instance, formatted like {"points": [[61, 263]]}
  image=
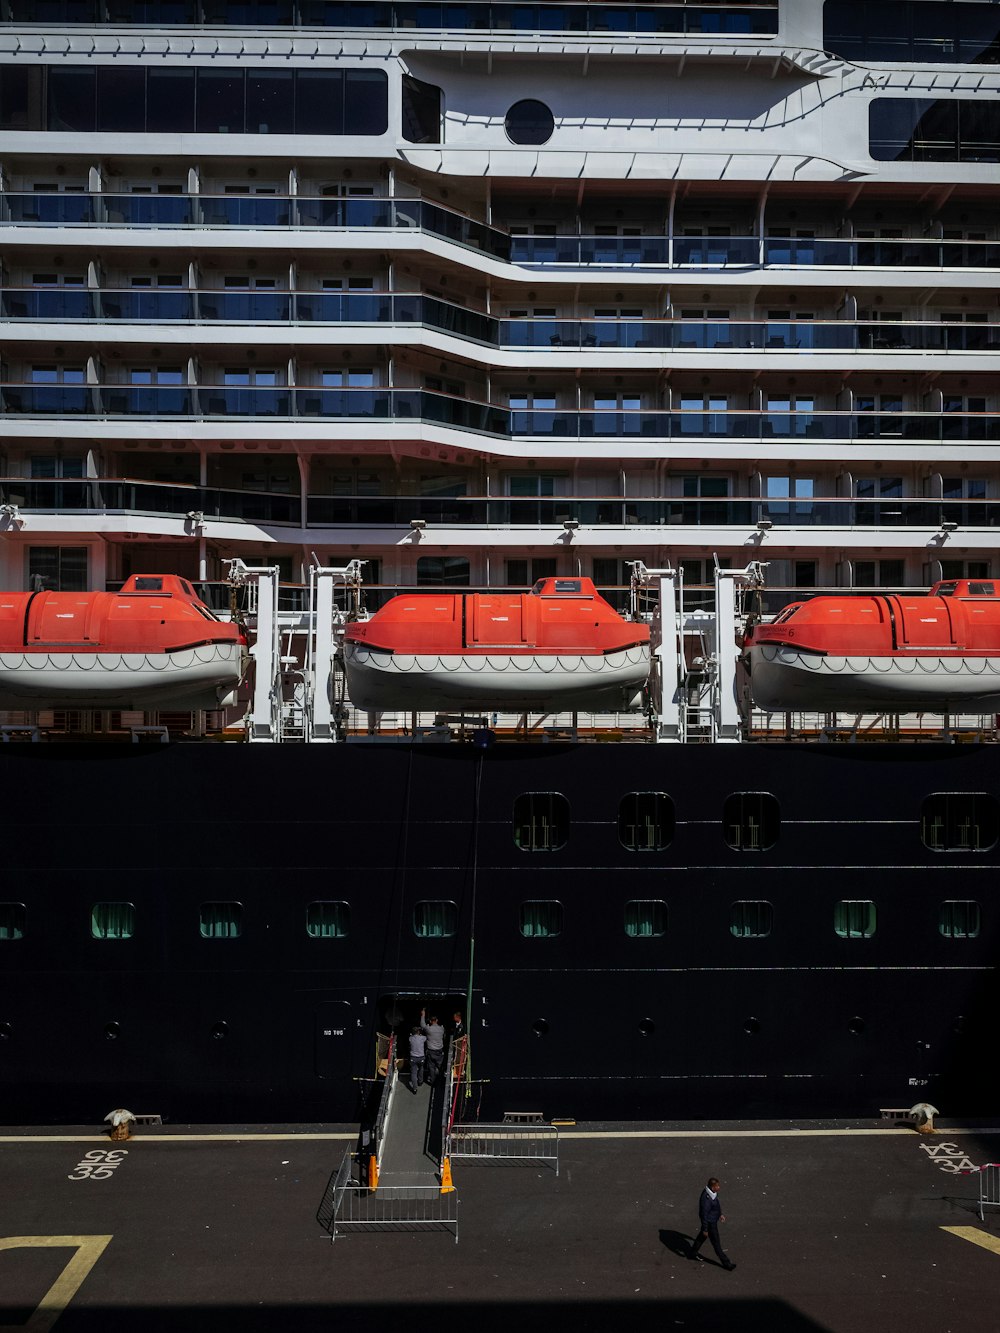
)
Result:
{"points": [[418, 1045]]}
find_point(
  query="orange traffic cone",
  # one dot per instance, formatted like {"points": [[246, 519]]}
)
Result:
{"points": [[447, 1187], [373, 1172]]}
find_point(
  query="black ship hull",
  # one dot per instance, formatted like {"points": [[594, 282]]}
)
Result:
{"points": [[593, 1021]]}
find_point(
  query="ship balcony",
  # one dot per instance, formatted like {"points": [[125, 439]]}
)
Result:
{"points": [[396, 315], [207, 411], [386, 517], [748, 19], [344, 220]]}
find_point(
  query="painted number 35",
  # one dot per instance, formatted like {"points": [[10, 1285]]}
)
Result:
{"points": [[98, 1164]]}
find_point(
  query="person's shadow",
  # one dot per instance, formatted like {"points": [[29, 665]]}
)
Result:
{"points": [[677, 1243]]}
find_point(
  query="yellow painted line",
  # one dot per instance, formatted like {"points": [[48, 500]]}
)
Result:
{"points": [[982, 1238], [88, 1250]]}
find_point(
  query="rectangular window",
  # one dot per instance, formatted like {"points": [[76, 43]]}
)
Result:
{"points": [[645, 918], [751, 919], [751, 820], [112, 921], [170, 96], [12, 921], [221, 921], [221, 104], [121, 98], [57, 568], [645, 821], [854, 919], [421, 111], [541, 821], [960, 821], [435, 920], [270, 106], [328, 920], [540, 920], [72, 100], [959, 920], [442, 571]]}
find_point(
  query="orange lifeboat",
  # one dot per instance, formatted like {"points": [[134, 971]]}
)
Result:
{"points": [[898, 652], [152, 644], [560, 646]]}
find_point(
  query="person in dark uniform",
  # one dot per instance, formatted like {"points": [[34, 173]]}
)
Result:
{"points": [[709, 1216]]}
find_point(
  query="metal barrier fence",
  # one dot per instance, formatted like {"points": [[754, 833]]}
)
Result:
{"points": [[385, 1104], [507, 1143], [354, 1206], [989, 1187]]}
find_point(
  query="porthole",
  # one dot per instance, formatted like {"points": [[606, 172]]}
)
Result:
{"points": [[6, 1032], [529, 121], [540, 1027], [647, 1027], [751, 1027], [856, 1026], [220, 1031], [959, 1024], [112, 1031]]}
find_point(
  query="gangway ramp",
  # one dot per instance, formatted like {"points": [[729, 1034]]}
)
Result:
{"points": [[411, 1152]]}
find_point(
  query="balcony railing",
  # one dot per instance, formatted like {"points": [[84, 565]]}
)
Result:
{"points": [[735, 18], [142, 305], [658, 251], [109, 496], [210, 401]]}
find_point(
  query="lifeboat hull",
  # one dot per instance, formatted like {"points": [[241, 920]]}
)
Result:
{"points": [[785, 677], [185, 678], [531, 682]]}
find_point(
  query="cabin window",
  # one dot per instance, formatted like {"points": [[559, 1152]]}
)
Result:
{"points": [[435, 920], [540, 919], [57, 568], [328, 920], [959, 821], [751, 820], [646, 821], [421, 106], [959, 919], [443, 571], [12, 921], [645, 919], [112, 921], [221, 921], [855, 919], [541, 821], [529, 121], [751, 919]]}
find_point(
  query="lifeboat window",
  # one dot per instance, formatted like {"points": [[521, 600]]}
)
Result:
{"points": [[112, 921], [567, 585], [751, 919], [645, 919], [960, 821], [206, 614], [221, 921], [540, 919], [751, 820], [982, 590], [149, 585], [435, 920], [959, 920], [646, 821], [946, 589], [328, 921], [187, 587], [855, 919], [541, 821], [12, 921]]}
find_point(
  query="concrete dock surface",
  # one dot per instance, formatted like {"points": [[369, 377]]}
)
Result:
{"points": [[834, 1226]]}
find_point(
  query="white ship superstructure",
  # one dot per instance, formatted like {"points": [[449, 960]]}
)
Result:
{"points": [[486, 293]]}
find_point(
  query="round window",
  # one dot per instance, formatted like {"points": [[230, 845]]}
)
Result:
{"points": [[529, 122]]}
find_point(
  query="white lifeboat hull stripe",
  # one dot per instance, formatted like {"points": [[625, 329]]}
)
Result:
{"points": [[379, 680], [186, 678], [783, 677]]}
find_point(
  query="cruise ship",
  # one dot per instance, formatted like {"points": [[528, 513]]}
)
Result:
{"points": [[693, 307]]}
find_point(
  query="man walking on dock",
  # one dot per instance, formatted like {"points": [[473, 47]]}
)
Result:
{"points": [[709, 1216]]}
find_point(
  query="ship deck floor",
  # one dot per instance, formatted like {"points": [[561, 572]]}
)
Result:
{"points": [[837, 1227]]}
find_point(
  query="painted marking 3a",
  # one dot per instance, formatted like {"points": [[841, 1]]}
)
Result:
{"points": [[98, 1164]]}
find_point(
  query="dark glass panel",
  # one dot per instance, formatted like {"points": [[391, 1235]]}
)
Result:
{"points": [[960, 821], [751, 820], [121, 98], [978, 33], [319, 102], [421, 111], [978, 131], [935, 136], [529, 122], [366, 103], [14, 96], [72, 100], [270, 102], [932, 29], [170, 101], [221, 102], [159, 12]]}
